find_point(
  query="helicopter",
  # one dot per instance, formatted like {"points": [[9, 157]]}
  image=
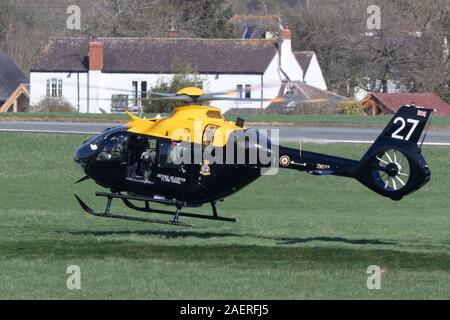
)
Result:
{"points": [[194, 156]]}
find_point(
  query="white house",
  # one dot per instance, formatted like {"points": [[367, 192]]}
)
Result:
{"points": [[312, 72], [102, 74]]}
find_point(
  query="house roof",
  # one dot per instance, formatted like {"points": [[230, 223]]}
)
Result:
{"points": [[261, 24], [10, 76], [393, 101], [304, 59], [301, 91], [158, 55]]}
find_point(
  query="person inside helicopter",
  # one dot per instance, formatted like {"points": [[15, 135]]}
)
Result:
{"points": [[147, 163], [142, 159]]}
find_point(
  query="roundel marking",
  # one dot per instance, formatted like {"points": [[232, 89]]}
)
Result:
{"points": [[285, 161]]}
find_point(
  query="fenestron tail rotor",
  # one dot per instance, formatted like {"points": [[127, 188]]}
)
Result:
{"points": [[391, 170]]}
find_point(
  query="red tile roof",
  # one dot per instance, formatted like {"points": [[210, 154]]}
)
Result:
{"points": [[301, 91], [394, 101]]}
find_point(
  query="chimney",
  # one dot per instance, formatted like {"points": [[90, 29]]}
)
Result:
{"points": [[286, 33], [285, 52], [95, 55], [286, 46]]}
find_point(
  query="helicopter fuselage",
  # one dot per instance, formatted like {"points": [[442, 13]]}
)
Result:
{"points": [[115, 159]]}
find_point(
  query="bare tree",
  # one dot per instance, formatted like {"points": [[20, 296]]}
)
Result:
{"points": [[407, 49]]}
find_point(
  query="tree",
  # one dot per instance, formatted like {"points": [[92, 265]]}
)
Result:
{"points": [[184, 76], [407, 49], [205, 18]]}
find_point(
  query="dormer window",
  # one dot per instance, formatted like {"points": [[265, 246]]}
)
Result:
{"points": [[248, 34]]}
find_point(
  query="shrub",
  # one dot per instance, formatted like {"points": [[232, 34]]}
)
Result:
{"points": [[53, 105], [351, 107]]}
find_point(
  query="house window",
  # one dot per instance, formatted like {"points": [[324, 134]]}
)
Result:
{"points": [[144, 89], [244, 91], [135, 92], [139, 91], [54, 88], [249, 32], [239, 90], [248, 91], [59, 88]]}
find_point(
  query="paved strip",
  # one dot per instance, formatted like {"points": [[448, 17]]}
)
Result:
{"points": [[286, 133]]}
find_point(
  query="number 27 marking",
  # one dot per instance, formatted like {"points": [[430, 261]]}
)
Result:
{"points": [[396, 134]]}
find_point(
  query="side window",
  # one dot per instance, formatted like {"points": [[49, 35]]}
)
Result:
{"points": [[248, 91], [151, 151], [53, 88], [208, 134], [47, 89], [170, 154], [152, 144], [239, 91], [114, 149]]}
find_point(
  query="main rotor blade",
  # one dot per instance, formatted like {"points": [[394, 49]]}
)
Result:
{"points": [[122, 90], [164, 94], [241, 99], [176, 98], [182, 97], [274, 100], [161, 94]]}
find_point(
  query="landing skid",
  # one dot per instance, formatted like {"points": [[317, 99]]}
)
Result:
{"points": [[127, 201]]}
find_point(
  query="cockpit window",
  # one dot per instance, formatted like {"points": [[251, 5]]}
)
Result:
{"points": [[98, 139], [114, 149], [214, 114]]}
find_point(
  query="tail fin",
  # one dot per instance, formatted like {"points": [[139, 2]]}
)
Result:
{"points": [[407, 124], [394, 166]]}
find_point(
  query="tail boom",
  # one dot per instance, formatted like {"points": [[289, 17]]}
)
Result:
{"points": [[392, 167]]}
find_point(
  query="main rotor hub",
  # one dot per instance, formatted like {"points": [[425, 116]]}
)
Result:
{"points": [[191, 92]]}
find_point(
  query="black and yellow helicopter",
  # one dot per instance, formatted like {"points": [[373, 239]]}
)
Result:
{"points": [[194, 156]]}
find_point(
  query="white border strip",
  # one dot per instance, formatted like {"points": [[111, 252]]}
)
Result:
{"points": [[47, 131]]}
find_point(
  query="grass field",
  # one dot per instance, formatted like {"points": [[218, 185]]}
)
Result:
{"points": [[438, 121], [299, 236]]}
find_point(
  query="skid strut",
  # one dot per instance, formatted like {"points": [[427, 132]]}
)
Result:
{"points": [[127, 201]]}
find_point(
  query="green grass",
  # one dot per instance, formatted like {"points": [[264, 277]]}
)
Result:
{"points": [[336, 120], [299, 236]]}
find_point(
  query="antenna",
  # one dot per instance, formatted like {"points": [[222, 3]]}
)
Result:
{"points": [[426, 131]]}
